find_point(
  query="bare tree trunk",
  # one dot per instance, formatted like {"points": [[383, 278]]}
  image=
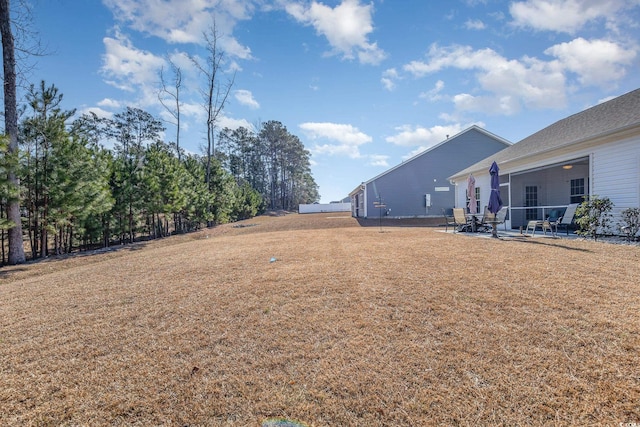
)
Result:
{"points": [[2, 239], [30, 232], [16, 246], [215, 95], [69, 247], [130, 220], [4, 254], [174, 111], [44, 235], [105, 231]]}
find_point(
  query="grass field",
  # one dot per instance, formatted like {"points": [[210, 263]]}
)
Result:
{"points": [[349, 326]]}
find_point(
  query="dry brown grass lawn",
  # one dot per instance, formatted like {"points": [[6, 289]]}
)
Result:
{"points": [[350, 326]]}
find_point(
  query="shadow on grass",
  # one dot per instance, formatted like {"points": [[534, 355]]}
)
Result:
{"points": [[128, 247], [402, 222], [137, 246], [546, 243], [6, 273]]}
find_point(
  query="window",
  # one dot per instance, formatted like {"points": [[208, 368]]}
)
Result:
{"points": [[477, 199], [531, 199], [577, 190]]}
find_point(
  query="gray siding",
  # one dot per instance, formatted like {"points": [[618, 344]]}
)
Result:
{"points": [[403, 188]]}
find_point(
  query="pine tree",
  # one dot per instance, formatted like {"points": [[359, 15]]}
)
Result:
{"points": [[131, 130], [7, 192], [79, 192], [197, 209], [41, 131], [163, 195]]}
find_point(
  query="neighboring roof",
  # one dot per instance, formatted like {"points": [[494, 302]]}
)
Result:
{"points": [[473, 127], [612, 116], [470, 128]]}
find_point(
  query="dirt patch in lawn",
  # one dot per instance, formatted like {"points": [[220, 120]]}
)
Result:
{"points": [[319, 319]]}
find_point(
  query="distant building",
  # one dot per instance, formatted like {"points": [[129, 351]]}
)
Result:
{"points": [[420, 187], [324, 207]]}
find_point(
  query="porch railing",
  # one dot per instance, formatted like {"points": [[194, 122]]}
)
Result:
{"points": [[520, 215]]}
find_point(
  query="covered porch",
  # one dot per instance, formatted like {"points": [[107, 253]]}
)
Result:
{"points": [[537, 193]]}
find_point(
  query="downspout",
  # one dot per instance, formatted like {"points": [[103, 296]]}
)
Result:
{"points": [[364, 199], [591, 168]]}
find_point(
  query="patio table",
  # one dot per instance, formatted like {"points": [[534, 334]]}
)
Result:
{"points": [[474, 221]]}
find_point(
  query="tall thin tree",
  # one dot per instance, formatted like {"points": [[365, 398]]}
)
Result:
{"points": [[170, 99], [215, 93], [16, 249]]}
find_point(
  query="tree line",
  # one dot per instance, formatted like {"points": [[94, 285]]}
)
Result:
{"points": [[76, 193]]}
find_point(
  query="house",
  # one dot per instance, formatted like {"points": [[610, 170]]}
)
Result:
{"points": [[419, 186], [594, 152], [324, 207]]}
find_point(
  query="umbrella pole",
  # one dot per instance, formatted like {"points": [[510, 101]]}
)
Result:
{"points": [[494, 229]]}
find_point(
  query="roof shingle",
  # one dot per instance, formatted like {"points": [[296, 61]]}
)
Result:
{"points": [[602, 119]]}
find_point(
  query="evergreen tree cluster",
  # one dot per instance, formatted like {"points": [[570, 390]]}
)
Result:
{"points": [[273, 162], [75, 193]]}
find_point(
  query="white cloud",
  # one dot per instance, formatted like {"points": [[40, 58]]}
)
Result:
{"points": [[371, 54], [433, 94], [337, 150], [596, 62], [348, 138], [605, 99], [127, 67], [110, 103], [389, 78], [410, 136], [187, 111], [182, 61], [232, 123], [567, 16], [508, 83], [498, 15], [378, 160], [505, 85], [97, 111], [245, 97], [346, 27], [192, 109], [457, 56], [474, 24], [184, 21]]}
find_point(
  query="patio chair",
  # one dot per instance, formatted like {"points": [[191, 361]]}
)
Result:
{"points": [[551, 226], [485, 223], [567, 219], [501, 217], [555, 214], [531, 225], [461, 219], [449, 220], [544, 225]]}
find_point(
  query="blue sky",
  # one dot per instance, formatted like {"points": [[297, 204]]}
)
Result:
{"points": [[364, 84]]}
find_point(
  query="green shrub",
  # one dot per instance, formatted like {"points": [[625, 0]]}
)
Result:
{"points": [[594, 216], [630, 223]]}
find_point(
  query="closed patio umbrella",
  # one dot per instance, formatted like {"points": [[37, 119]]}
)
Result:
{"points": [[471, 192], [495, 201]]}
